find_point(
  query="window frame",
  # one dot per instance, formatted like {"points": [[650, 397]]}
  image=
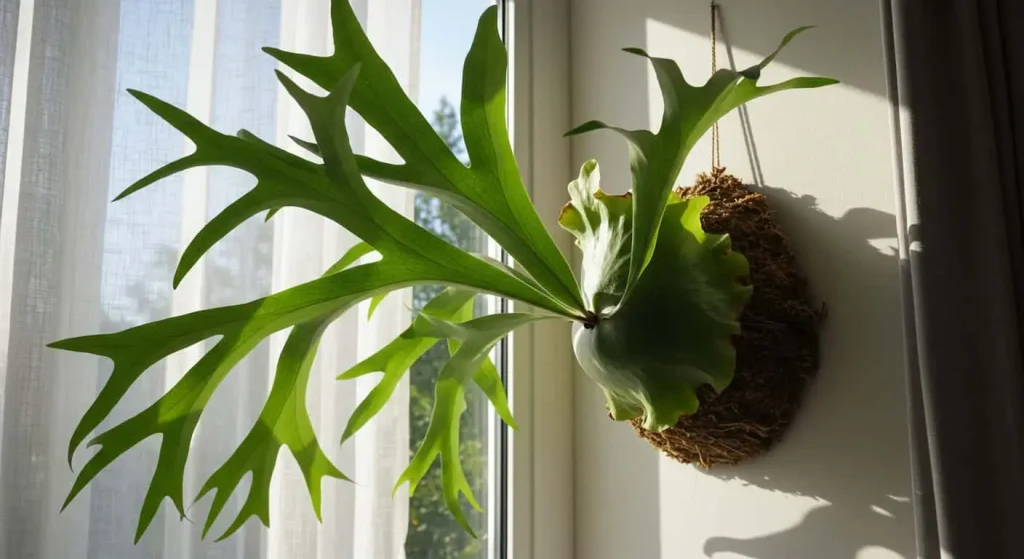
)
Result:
{"points": [[540, 362]]}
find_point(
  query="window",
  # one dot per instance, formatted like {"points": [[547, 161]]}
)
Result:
{"points": [[446, 32], [72, 263]]}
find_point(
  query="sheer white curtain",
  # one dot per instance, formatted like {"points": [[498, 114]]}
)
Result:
{"points": [[72, 263]]}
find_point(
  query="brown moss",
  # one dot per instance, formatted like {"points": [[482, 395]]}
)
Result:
{"points": [[777, 352]]}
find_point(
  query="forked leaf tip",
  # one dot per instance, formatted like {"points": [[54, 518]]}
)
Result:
{"points": [[179, 274], [152, 102], [72, 448], [138, 94], [471, 499], [95, 344], [398, 484], [132, 189], [347, 81], [140, 529], [206, 528], [374, 303], [347, 435], [227, 534], [248, 136], [511, 422], [61, 344], [283, 78], [338, 474], [460, 517], [293, 89], [95, 441], [276, 53], [71, 497], [588, 126], [215, 508], [348, 375], [307, 145], [243, 516]]}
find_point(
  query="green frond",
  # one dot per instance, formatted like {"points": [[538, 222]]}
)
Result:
{"points": [[690, 111]]}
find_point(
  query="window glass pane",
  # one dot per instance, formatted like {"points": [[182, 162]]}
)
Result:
{"points": [[447, 32], [204, 56]]}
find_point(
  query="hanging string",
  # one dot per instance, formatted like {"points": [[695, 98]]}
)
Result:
{"points": [[716, 148]]}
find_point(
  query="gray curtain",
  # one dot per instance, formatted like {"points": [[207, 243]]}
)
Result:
{"points": [[956, 72]]}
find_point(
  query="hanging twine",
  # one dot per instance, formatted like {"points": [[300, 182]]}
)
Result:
{"points": [[716, 148]]}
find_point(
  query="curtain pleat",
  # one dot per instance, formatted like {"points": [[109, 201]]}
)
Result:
{"points": [[56, 213], [8, 38], [957, 84], [72, 263]]}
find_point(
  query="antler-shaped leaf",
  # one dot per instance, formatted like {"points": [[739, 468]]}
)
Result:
{"points": [[394, 360], [398, 237], [410, 255], [175, 415], [490, 191], [475, 339], [335, 190], [284, 421], [657, 158]]}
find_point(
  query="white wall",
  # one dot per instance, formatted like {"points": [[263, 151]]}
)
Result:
{"points": [[838, 486]]}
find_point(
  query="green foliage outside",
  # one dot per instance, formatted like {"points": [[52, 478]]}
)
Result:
{"points": [[433, 532]]}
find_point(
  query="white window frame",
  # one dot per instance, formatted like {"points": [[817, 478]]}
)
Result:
{"points": [[539, 508]]}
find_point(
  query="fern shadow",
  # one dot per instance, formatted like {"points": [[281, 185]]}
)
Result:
{"points": [[849, 438]]}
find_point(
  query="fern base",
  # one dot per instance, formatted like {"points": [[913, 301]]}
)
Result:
{"points": [[777, 352]]}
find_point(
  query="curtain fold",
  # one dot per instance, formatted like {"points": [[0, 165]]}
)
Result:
{"points": [[8, 38], [72, 263], [957, 84]]}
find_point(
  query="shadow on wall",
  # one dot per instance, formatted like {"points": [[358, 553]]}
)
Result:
{"points": [[848, 447], [845, 467], [849, 464], [843, 27]]}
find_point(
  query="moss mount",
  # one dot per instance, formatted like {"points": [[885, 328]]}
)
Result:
{"points": [[777, 352]]}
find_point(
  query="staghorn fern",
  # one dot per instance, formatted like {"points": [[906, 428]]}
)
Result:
{"points": [[655, 308]]}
